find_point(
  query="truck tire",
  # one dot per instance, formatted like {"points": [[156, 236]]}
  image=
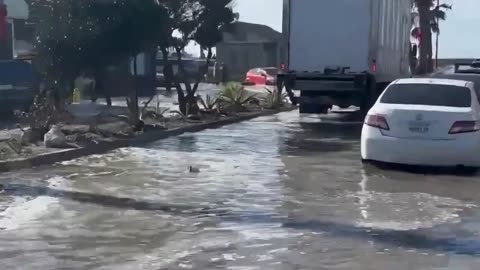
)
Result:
{"points": [[370, 96], [366, 105], [310, 108]]}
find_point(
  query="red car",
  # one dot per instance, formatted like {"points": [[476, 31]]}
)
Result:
{"points": [[262, 76]]}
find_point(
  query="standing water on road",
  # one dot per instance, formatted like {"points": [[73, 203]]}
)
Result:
{"points": [[278, 192]]}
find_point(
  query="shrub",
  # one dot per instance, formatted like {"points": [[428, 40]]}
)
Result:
{"points": [[273, 99], [209, 104], [234, 97]]}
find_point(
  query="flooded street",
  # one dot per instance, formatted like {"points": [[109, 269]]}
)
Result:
{"points": [[278, 192]]}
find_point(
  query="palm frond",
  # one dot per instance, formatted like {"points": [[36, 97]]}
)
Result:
{"points": [[438, 14]]}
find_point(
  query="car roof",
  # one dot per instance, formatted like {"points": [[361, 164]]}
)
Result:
{"points": [[440, 81]]}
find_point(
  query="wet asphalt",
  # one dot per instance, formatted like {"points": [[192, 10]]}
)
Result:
{"points": [[280, 192]]}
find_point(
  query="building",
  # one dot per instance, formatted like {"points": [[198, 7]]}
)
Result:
{"points": [[17, 9], [245, 46], [20, 35]]}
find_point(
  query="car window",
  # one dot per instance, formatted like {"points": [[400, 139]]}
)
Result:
{"points": [[427, 94], [271, 71]]}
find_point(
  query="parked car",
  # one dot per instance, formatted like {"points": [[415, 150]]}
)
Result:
{"points": [[210, 76], [476, 63], [159, 79], [424, 121], [18, 83], [261, 76]]}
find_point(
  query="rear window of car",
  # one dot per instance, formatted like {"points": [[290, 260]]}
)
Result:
{"points": [[428, 94]]}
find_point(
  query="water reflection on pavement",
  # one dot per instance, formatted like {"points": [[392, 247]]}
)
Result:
{"points": [[278, 192]]}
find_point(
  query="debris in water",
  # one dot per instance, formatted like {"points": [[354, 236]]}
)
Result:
{"points": [[194, 170]]}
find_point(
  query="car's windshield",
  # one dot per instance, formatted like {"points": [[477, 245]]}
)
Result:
{"points": [[427, 94]]}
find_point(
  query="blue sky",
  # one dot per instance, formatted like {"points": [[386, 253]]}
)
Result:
{"points": [[460, 36]]}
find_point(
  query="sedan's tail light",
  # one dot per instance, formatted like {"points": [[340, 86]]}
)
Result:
{"points": [[464, 127], [377, 121]]}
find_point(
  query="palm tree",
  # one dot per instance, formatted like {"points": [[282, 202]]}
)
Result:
{"points": [[430, 14]]}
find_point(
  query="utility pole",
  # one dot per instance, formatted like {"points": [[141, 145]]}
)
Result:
{"points": [[438, 33]]}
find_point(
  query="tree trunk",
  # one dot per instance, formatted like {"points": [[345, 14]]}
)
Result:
{"points": [[185, 76], [425, 61], [413, 61], [203, 70], [187, 102], [190, 98], [135, 90], [132, 100], [167, 70]]}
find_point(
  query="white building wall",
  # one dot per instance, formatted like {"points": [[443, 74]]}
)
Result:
{"points": [[17, 9]]}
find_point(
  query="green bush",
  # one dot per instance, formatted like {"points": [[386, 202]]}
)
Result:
{"points": [[234, 97], [209, 104], [273, 99]]}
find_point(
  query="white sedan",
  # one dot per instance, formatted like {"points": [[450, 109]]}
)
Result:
{"points": [[424, 121]]}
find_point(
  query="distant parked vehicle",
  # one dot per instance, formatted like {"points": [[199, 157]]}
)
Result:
{"points": [[18, 83], [351, 63], [262, 76], [472, 68], [159, 79], [424, 121], [210, 76], [476, 63]]}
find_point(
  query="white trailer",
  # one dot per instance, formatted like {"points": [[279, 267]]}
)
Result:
{"points": [[344, 52]]}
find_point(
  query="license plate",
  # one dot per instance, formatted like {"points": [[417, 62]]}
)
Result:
{"points": [[418, 129]]}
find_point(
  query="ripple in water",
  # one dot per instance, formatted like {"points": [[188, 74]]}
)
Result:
{"points": [[405, 211], [24, 212]]}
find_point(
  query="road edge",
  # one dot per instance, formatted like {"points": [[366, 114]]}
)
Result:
{"points": [[106, 146]]}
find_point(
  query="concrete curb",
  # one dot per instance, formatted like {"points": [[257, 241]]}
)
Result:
{"points": [[103, 147]]}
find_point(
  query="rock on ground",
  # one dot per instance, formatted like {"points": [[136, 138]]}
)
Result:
{"points": [[55, 138]]}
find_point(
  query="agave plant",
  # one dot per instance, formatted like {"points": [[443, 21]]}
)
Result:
{"points": [[157, 114], [235, 97], [209, 104], [273, 99]]}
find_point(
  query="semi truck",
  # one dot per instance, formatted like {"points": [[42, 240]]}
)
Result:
{"points": [[343, 52]]}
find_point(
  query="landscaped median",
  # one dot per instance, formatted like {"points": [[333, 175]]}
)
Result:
{"points": [[50, 156]]}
